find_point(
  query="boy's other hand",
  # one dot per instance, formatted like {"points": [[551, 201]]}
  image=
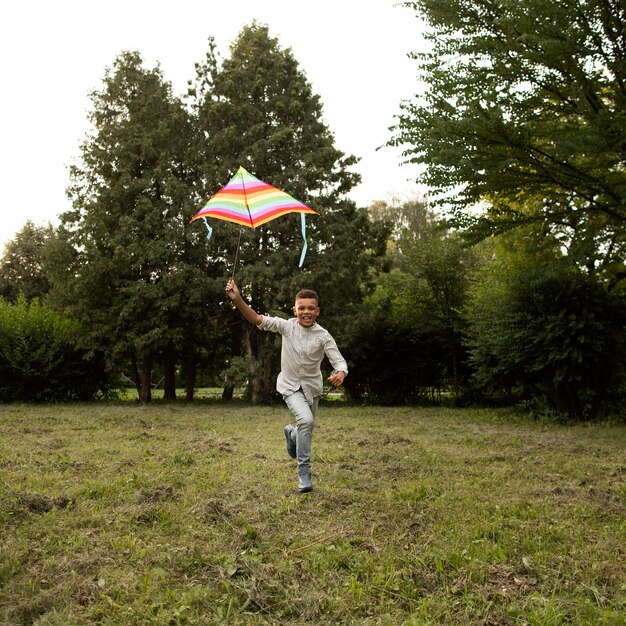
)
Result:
{"points": [[336, 378]]}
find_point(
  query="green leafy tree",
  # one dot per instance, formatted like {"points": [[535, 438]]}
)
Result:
{"points": [[136, 268], [257, 109], [415, 311], [22, 270], [525, 112], [440, 265], [397, 354]]}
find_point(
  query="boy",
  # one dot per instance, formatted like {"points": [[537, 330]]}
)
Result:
{"points": [[304, 343]]}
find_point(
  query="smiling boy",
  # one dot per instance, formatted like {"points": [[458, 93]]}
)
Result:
{"points": [[304, 344]]}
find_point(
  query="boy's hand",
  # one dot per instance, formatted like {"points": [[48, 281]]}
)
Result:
{"points": [[336, 378], [232, 291], [246, 310]]}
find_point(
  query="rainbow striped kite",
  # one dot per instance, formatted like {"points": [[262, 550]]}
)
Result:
{"points": [[248, 201]]}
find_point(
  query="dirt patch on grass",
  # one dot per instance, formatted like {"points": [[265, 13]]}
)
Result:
{"points": [[37, 503]]}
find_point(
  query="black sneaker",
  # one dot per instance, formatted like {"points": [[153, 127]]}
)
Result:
{"points": [[291, 441]]}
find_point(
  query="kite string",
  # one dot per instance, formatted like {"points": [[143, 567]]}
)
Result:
{"points": [[245, 202], [236, 255]]}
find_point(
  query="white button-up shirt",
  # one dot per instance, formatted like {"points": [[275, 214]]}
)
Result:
{"points": [[302, 353]]}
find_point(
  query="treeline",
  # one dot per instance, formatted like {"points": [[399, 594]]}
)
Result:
{"points": [[517, 299], [146, 286], [510, 320]]}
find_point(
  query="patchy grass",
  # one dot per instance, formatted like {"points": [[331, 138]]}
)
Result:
{"points": [[189, 514]]}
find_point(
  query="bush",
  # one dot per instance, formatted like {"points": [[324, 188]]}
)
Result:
{"points": [[554, 338], [41, 357], [393, 364]]}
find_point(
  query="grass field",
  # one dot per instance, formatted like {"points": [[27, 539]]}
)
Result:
{"points": [[189, 514]]}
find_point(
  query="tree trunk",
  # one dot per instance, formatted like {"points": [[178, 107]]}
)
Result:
{"points": [[169, 370], [236, 337], [455, 379], [229, 390], [455, 362], [190, 369], [145, 375], [136, 374], [255, 380], [268, 370]]}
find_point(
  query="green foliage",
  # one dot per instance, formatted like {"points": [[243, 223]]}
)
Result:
{"points": [[42, 359], [22, 270], [523, 116], [548, 334], [258, 110], [144, 282], [406, 344], [393, 359], [525, 111]]}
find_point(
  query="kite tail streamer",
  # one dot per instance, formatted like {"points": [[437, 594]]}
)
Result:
{"points": [[208, 227], [305, 246]]}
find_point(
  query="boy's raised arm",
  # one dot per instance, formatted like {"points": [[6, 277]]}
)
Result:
{"points": [[232, 291]]}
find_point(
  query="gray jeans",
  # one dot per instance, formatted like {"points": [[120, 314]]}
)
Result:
{"points": [[305, 423]]}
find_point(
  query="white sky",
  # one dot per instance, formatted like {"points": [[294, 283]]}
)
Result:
{"points": [[54, 52]]}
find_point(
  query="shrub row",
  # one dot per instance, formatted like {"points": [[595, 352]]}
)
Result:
{"points": [[42, 358]]}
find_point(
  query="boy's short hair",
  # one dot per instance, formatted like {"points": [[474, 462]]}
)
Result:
{"points": [[309, 294]]}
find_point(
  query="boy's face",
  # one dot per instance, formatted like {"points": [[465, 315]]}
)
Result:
{"points": [[306, 310]]}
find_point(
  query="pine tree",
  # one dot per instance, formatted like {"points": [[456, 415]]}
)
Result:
{"points": [[136, 281]]}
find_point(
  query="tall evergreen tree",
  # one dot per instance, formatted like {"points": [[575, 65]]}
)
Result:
{"points": [[257, 109], [136, 281]]}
